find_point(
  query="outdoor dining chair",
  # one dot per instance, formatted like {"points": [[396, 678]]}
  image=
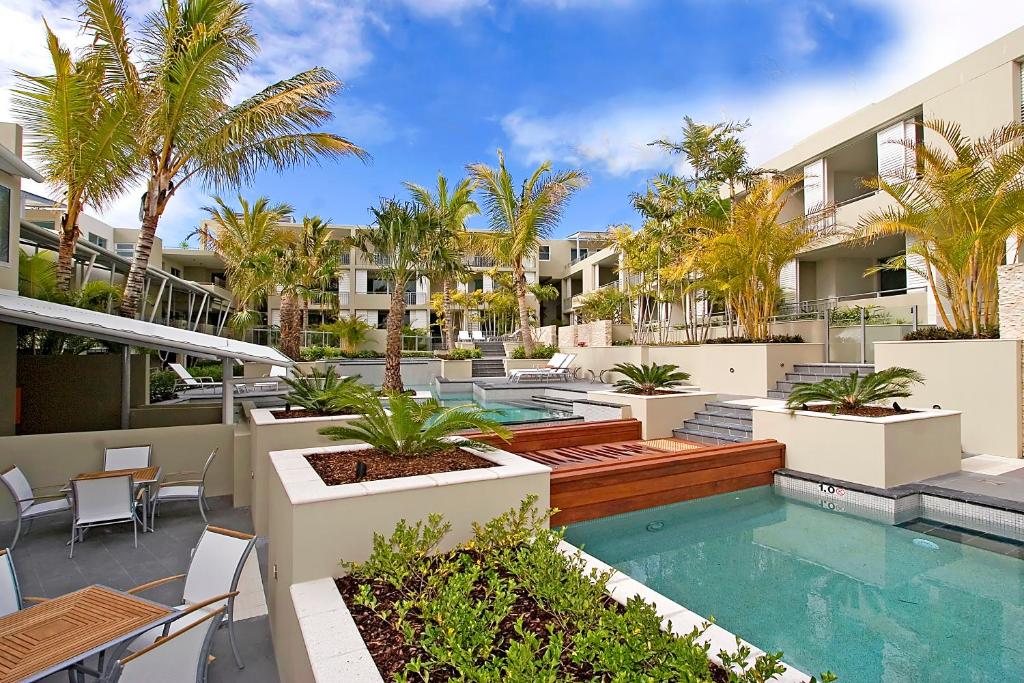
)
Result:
{"points": [[184, 489], [11, 600], [103, 500], [181, 657], [29, 504], [214, 570], [127, 458]]}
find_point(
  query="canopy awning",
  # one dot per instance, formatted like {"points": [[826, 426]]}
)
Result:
{"points": [[22, 310]]}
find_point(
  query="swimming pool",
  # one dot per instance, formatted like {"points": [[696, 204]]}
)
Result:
{"points": [[868, 601], [507, 412]]}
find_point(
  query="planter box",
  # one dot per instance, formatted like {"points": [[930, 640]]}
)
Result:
{"points": [[328, 648], [660, 414], [980, 377], [456, 369], [313, 526], [465, 345], [510, 347], [267, 434], [873, 451]]}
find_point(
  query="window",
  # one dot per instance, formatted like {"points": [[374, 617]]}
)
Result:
{"points": [[545, 253], [5, 224], [376, 285], [125, 249], [97, 240], [176, 272], [578, 255]]}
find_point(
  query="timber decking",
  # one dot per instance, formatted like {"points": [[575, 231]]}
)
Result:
{"points": [[603, 468]]}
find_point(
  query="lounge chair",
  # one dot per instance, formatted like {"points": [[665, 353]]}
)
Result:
{"points": [[556, 368], [186, 381], [464, 336], [271, 382], [478, 335]]}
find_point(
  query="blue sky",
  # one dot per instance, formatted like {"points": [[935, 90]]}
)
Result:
{"points": [[435, 84]]}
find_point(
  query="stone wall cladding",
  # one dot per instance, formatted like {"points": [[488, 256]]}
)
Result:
{"points": [[1011, 310], [567, 337]]}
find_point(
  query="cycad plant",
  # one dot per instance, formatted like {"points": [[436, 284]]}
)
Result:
{"points": [[647, 379], [406, 428], [856, 391], [321, 392]]}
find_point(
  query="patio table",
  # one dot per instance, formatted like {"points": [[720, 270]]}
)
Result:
{"points": [[142, 476], [45, 638]]}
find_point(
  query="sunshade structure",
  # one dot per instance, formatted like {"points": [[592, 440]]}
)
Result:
{"points": [[21, 310]]}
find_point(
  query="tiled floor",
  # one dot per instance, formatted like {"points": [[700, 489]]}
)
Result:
{"points": [[986, 475], [108, 557]]}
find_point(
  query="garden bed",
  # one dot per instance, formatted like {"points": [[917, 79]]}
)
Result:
{"points": [[295, 413], [340, 467], [863, 411], [509, 604]]}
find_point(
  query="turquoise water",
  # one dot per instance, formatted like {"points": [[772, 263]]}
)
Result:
{"points": [[506, 413], [831, 591]]}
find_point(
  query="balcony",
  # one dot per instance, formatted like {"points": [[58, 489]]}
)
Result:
{"points": [[479, 261]]}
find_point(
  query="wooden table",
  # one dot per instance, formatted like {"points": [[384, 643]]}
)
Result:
{"points": [[52, 635], [142, 476]]}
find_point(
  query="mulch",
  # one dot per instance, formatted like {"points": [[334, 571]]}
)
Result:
{"points": [[864, 411], [300, 412], [340, 467]]}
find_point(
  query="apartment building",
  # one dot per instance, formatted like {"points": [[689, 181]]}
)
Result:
{"points": [[980, 92]]}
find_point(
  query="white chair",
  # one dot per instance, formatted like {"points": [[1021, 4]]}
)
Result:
{"points": [[102, 501], [127, 458], [184, 489], [10, 591], [181, 657], [276, 373], [554, 366], [216, 565], [186, 381], [29, 504], [464, 336], [478, 335]]}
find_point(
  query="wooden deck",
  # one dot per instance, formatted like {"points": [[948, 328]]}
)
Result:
{"points": [[604, 468]]}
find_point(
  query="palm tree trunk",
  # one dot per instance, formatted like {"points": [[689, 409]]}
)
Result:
{"points": [[393, 350], [524, 312], [290, 343], [157, 193], [449, 323]]}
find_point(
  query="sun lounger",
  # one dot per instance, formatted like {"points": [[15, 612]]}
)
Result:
{"points": [[557, 368]]}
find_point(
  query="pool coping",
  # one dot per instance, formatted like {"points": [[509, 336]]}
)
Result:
{"points": [[674, 617]]}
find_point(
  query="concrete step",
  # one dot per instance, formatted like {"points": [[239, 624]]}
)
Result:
{"points": [[488, 367], [492, 349], [775, 393], [706, 438], [723, 419], [553, 401], [832, 369], [728, 409], [719, 429]]}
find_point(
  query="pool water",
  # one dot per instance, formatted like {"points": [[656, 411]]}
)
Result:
{"points": [[868, 601], [506, 413]]}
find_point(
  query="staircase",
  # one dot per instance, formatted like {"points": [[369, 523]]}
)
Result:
{"points": [[491, 349], [723, 422], [718, 424], [488, 367], [809, 373]]}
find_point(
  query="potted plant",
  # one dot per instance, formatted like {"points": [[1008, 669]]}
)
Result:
{"points": [[410, 462], [458, 363], [841, 428], [656, 395]]}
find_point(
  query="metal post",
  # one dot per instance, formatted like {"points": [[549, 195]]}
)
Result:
{"points": [[126, 385], [863, 335], [828, 333], [228, 391], [913, 318]]}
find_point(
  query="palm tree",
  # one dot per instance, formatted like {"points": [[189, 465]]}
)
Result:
{"points": [[305, 265], [855, 391], [350, 331], [959, 205], [83, 133], [248, 242], [448, 244], [192, 55], [399, 244], [521, 218]]}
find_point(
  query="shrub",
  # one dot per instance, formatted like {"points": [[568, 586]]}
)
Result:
{"points": [[538, 352], [462, 354], [855, 391], [773, 339], [941, 334], [320, 392], [648, 380], [407, 428], [213, 370], [508, 605], [318, 352], [352, 331], [848, 316], [161, 385]]}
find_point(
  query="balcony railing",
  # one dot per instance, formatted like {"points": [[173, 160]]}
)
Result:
{"points": [[479, 261]]}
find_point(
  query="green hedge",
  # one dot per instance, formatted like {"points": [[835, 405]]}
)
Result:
{"points": [[942, 334], [538, 352], [462, 354]]}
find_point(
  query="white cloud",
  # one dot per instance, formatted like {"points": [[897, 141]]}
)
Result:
{"points": [[449, 9], [613, 135]]}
